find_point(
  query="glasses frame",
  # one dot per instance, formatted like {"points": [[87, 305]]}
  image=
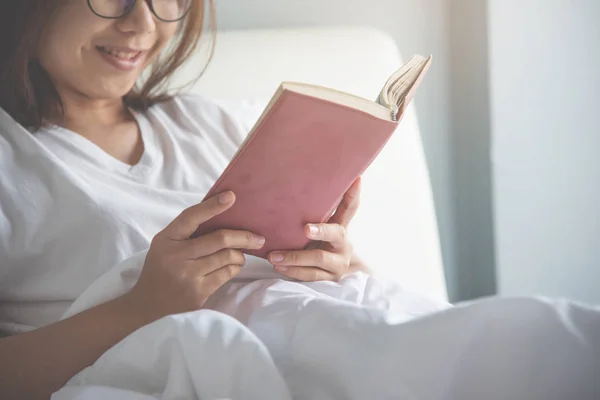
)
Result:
{"points": [[150, 4]]}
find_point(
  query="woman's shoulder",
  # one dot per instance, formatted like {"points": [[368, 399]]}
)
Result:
{"points": [[191, 102], [198, 110], [17, 143]]}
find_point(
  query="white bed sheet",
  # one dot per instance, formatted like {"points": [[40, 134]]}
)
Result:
{"points": [[357, 339]]}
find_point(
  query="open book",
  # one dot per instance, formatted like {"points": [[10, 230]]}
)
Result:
{"points": [[306, 149]]}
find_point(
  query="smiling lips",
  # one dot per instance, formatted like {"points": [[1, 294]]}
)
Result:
{"points": [[124, 59]]}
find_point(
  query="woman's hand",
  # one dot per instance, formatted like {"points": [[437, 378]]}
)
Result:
{"points": [[180, 273], [330, 256]]}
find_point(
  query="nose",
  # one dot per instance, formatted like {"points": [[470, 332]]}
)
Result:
{"points": [[139, 20]]}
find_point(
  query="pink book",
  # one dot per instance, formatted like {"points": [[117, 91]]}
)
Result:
{"points": [[309, 145]]}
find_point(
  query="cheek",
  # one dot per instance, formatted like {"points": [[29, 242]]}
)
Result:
{"points": [[165, 35], [60, 56], [65, 46], [165, 32]]}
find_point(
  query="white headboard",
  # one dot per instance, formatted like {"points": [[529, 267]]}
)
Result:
{"points": [[395, 231]]}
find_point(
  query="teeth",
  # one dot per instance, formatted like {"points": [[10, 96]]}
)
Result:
{"points": [[119, 54]]}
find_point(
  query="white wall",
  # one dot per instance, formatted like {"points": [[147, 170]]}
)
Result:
{"points": [[545, 86], [514, 80], [470, 145], [418, 26]]}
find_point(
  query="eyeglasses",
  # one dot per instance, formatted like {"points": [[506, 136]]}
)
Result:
{"points": [[164, 10]]}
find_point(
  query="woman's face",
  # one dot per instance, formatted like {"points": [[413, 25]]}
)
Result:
{"points": [[101, 58]]}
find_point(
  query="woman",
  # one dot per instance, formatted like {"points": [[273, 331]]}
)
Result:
{"points": [[108, 170], [69, 77]]}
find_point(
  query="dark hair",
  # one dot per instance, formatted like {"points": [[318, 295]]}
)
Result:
{"points": [[26, 91]]}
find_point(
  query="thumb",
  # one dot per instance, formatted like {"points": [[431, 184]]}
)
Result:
{"points": [[348, 207], [182, 227]]}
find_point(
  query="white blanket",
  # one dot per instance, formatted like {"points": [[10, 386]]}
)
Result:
{"points": [[357, 339]]}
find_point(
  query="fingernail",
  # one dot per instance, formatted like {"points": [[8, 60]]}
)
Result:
{"points": [[225, 198], [313, 230], [259, 240], [277, 257], [281, 268]]}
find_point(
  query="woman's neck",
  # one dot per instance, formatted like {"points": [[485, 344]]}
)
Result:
{"points": [[107, 123], [81, 113]]}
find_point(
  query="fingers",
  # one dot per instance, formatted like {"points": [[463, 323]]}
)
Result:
{"points": [[219, 240], [347, 208], [209, 273], [327, 261], [223, 275], [307, 274], [182, 227], [213, 262], [334, 234], [212, 282]]}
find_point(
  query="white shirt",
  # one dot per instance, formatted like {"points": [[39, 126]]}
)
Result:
{"points": [[69, 211]]}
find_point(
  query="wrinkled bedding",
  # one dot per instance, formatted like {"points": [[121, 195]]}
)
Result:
{"points": [[360, 338]]}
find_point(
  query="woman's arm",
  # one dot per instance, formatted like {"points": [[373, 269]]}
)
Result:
{"points": [[34, 365], [179, 275]]}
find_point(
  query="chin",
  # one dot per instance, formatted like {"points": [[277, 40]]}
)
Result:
{"points": [[115, 91]]}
